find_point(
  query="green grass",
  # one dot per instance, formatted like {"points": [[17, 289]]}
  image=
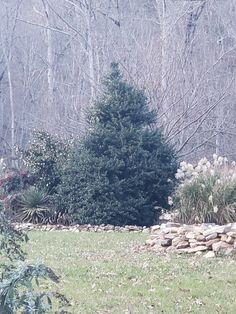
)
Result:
{"points": [[100, 273]]}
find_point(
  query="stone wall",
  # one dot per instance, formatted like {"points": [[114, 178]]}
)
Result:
{"points": [[206, 238], [81, 228]]}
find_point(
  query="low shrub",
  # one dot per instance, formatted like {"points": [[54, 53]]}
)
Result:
{"points": [[207, 192], [34, 204], [11, 202], [14, 181], [45, 158]]}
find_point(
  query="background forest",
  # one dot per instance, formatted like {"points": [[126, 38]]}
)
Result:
{"points": [[54, 53]]}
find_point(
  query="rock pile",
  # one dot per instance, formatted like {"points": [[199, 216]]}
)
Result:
{"points": [[209, 238], [81, 228]]}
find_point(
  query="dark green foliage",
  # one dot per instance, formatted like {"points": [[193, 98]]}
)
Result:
{"points": [[14, 181], [18, 282], [45, 158], [11, 182], [10, 240], [17, 290], [11, 185], [123, 169]]}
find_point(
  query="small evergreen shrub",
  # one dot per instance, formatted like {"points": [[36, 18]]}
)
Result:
{"points": [[123, 170], [45, 159], [207, 192], [14, 181]]}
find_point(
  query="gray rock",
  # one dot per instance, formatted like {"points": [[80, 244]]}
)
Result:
{"points": [[200, 237], [231, 234], [186, 228], [162, 226], [155, 236], [206, 226], [166, 242], [224, 237], [192, 241], [170, 236], [193, 245], [210, 254], [211, 242], [177, 240], [172, 224], [197, 249], [212, 236], [198, 253], [155, 228], [220, 246], [190, 235], [181, 231], [182, 245], [230, 240], [233, 227], [217, 229]]}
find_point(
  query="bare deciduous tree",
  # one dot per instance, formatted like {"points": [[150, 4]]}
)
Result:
{"points": [[183, 53]]}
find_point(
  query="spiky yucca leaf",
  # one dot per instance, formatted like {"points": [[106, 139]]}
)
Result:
{"points": [[34, 205]]}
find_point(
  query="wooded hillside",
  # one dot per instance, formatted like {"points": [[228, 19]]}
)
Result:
{"points": [[54, 53]]}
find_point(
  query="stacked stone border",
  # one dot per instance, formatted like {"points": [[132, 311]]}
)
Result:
{"points": [[81, 228], [170, 237], [207, 239]]}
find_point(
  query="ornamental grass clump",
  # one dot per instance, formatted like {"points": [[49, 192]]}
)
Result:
{"points": [[207, 191]]}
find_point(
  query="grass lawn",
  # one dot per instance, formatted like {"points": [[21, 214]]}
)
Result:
{"points": [[101, 274]]}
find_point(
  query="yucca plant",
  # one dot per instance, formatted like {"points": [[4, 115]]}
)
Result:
{"points": [[34, 204]]}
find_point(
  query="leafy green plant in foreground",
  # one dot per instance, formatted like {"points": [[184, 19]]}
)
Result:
{"points": [[10, 240], [19, 292]]}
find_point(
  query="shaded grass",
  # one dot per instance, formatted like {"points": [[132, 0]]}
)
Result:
{"points": [[100, 273]]}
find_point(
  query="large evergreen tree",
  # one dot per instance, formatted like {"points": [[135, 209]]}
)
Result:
{"points": [[124, 168]]}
